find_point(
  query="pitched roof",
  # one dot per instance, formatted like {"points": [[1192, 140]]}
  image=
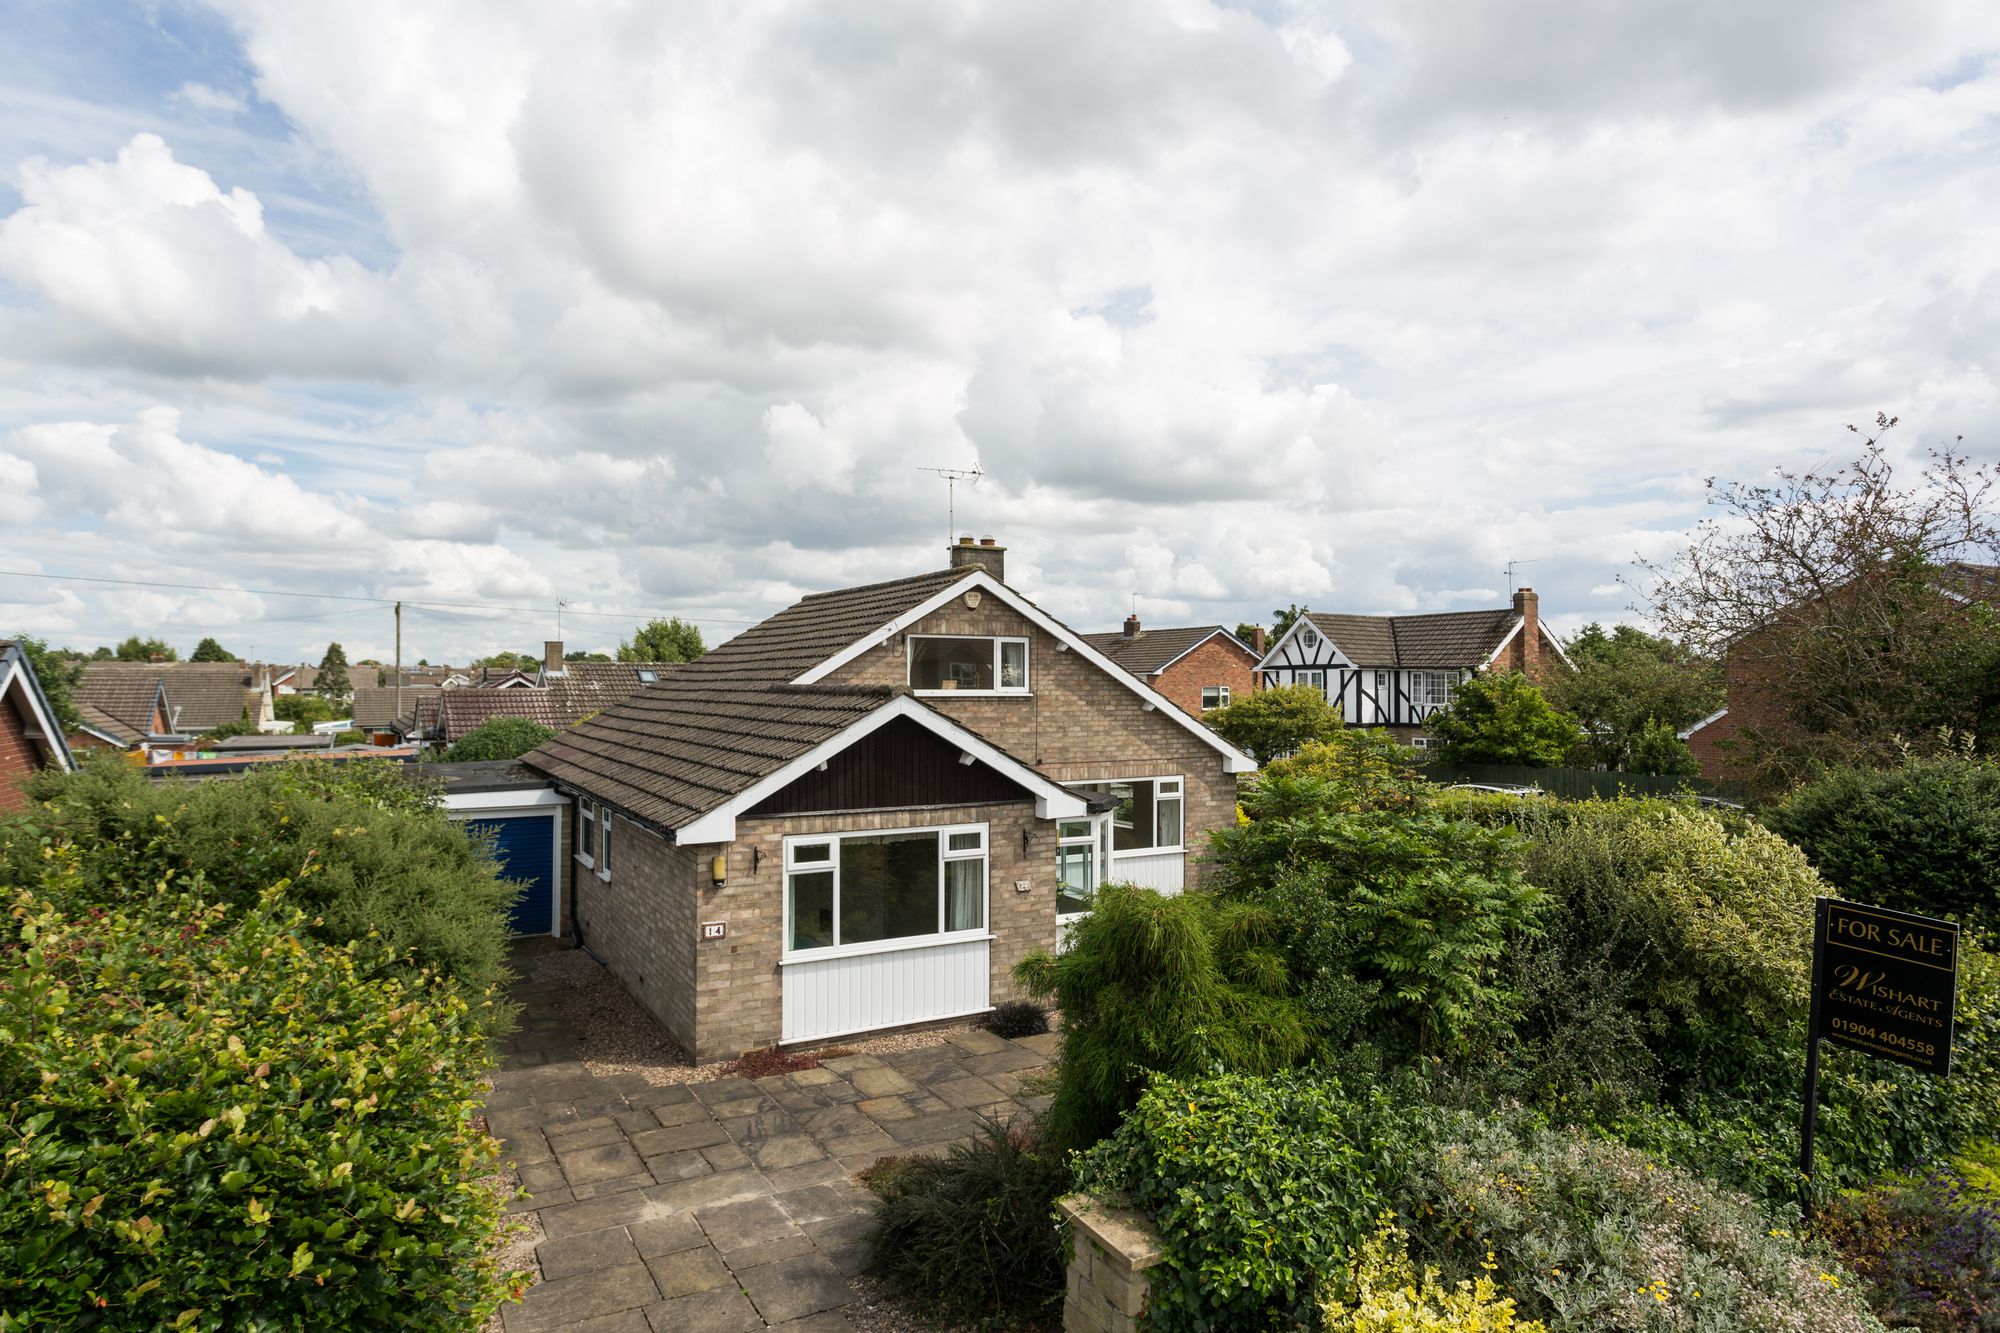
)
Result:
{"points": [[682, 748], [555, 707], [1444, 639], [200, 695], [17, 677], [1152, 650], [1979, 583], [103, 723], [118, 697], [375, 706], [623, 677], [815, 628]]}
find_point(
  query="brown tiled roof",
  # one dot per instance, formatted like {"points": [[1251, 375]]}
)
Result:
{"points": [[98, 720], [556, 707], [117, 697], [622, 677], [682, 748], [1446, 639], [200, 695], [1151, 649], [375, 706], [1981, 583], [813, 629]]}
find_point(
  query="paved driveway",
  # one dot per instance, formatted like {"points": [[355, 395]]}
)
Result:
{"points": [[725, 1206]]}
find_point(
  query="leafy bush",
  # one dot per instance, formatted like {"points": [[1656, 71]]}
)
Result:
{"points": [[211, 1121], [1155, 983], [1391, 1297], [1502, 719], [500, 738], [973, 1234], [1924, 837], [1593, 1237], [1393, 925], [1929, 1247], [1658, 748], [302, 711], [1366, 768], [1017, 1018], [367, 852], [1277, 721], [1260, 1188], [351, 738]]}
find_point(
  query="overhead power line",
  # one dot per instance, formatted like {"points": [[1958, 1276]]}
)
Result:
{"points": [[375, 601]]}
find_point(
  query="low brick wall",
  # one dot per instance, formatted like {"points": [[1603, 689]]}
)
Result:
{"points": [[1111, 1251]]}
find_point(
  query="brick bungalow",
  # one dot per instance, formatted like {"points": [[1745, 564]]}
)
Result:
{"points": [[29, 737], [1395, 671], [1199, 667], [861, 813]]}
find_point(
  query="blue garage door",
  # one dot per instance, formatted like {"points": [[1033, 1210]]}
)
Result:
{"points": [[526, 848]]}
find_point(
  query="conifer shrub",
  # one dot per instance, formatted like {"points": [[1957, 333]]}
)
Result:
{"points": [[211, 1120], [1152, 983], [973, 1235]]}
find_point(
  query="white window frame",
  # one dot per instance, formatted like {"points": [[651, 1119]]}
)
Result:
{"points": [[1315, 678], [1309, 638], [1221, 693], [1096, 836], [1448, 679], [1027, 667], [1160, 781], [586, 832], [604, 844], [983, 854], [1422, 742]]}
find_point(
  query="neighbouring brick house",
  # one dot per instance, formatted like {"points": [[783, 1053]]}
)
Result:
{"points": [[1199, 667], [151, 705], [30, 740], [1753, 665], [1395, 671], [861, 813]]}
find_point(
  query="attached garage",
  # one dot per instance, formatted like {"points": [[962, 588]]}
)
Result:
{"points": [[523, 815]]}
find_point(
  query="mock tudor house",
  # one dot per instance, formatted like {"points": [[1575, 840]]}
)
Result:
{"points": [[863, 812], [1395, 671], [30, 739], [1199, 667]]}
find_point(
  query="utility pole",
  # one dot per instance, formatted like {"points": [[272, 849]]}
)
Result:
{"points": [[399, 660]]}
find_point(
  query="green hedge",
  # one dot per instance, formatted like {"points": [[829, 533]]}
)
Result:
{"points": [[210, 1120]]}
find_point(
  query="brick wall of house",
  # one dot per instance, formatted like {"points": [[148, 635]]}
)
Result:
{"points": [[1077, 724], [1216, 662], [641, 921], [1754, 705], [19, 756]]}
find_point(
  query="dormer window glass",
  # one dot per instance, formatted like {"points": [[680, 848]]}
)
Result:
{"points": [[968, 665]]}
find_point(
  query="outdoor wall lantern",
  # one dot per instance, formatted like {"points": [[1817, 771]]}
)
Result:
{"points": [[718, 869]]}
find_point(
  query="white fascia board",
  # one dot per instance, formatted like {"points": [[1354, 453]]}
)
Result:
{"points": [[18, 676], [1218, 631], [484, 802], [1052, 801], [1271, 653], [1233, 759], [1501, 646], [1716, 716]]}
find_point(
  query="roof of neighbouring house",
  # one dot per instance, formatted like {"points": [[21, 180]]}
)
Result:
{"points": [[1152, 650], [1443, 639], [17, 676], [555, 707], [375, 705], [815, 628], [621, 677], [200, 695]]}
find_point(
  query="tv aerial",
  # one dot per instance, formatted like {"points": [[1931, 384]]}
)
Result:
{"points": [[952, 476]]}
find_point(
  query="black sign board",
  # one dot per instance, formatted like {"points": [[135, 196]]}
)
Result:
{"points": [[1884, 982]]}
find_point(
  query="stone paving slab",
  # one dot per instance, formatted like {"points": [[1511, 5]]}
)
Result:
{"points": [[726, 1206]]}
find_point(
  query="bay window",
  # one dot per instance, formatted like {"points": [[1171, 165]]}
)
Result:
{"points": [[981, 665], [873, 888]]}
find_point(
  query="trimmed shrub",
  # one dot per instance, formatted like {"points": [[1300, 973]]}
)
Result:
{"points": [[211, 1121], [1391, 1297], [367, 851], [1922, 838], [1366, 768], [1017, 1018], [1261, 1189], [1154, 983], [500, 738], [973, 1235], [1593, 1237], [1929, 1246], [1277, 721]]}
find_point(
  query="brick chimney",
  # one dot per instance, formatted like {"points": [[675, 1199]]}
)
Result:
{"points": [[1528, 647], [982, 554], [1258, 641], [1132, 626], [552, 657]]}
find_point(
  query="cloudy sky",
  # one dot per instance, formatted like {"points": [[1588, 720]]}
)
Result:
{"points": [[661, 308]]}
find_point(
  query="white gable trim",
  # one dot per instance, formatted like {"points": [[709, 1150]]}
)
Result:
{"points": [[14, 670], [1716, 716], [1271, 653], [1547, 637], [1218, 632], [1233, 759], [1052, 800]]}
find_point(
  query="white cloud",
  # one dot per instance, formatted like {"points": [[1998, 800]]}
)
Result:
{"points": [[205, 98]]}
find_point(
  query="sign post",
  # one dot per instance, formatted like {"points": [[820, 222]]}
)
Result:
{"points": [[1883, 982]]}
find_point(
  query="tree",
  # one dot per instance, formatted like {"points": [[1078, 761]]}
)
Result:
{"points": [[57, 674], [673, 640], [1282, 620], [1276, 721], [500, 738], [241, 726], [510, 661], [332, 680], [302, 710], [578, 655], [1856, 622], [1502, 719], [1626, 679], [208, 650], [136, 649], [1658, 749]]}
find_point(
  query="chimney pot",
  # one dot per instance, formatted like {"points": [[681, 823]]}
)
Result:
{"points": [[1132, 626], [986, 541], [965, 540]]}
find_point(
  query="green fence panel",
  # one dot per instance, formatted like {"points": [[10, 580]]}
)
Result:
{"points": [[1570, 784]]}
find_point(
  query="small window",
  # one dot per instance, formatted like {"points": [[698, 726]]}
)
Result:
{"points": [[1214, 696], [1434, 688], [1309, 639], [965, 842], [648, 677], [977, 665], [812, 853], [604, 845], [1421, 742], [1316, 679], [586, 831], [1147, 816]]}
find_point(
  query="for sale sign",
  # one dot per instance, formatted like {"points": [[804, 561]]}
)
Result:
{"points": [[1884, 982]]}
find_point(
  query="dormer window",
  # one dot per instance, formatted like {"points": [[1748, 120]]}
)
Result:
{"points": [[968, 665]]}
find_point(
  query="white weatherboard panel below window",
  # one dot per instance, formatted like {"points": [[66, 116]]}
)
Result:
{"points": [[833, 997], [1164, 872]]}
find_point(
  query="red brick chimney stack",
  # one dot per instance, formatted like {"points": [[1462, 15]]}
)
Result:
{"points": [[1258, 641], [983, 554], [1528, 649], [1132, 626]]}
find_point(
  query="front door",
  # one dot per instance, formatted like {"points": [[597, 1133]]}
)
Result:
{"points": [[1083, 850]]}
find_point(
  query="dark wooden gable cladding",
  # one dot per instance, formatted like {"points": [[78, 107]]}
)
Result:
{"points": [[893, 767]]}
